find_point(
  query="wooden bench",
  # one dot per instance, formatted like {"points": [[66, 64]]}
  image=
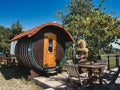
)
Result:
{"points": [[3, 59]]}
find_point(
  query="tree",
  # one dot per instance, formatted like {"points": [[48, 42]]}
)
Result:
{"points": [[16, 28], [4, 39], [92, 24], [8, 33]]}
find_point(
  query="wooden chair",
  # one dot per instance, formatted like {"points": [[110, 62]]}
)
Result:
{"points": [[111, 77], [75, 77]]}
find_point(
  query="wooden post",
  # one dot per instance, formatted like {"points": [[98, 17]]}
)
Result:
{"points": [[74, 53], [33, 74], [108, 62], [99, 57], [117, 60]]}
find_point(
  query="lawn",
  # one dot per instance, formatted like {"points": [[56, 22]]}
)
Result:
{"points": [[112, 58], [12, 78]]}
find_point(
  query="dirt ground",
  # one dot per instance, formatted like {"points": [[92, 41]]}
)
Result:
{"points": [[10, 79]]}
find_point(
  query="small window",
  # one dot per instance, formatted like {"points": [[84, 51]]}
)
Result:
{"points": [[50, 45]]}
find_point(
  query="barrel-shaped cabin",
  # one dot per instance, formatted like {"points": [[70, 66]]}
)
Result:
{"points": [[42, 47]]}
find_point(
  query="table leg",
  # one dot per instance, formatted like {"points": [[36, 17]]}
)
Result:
{"points": [[90, 78], [100, 71]]}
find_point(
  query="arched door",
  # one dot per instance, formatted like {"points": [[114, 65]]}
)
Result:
{"points": [[49, 50]]}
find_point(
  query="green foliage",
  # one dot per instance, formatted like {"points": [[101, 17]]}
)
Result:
{"points": [[4, 39], [6, 34], [69, 51], [16, 28], [92, 24]]}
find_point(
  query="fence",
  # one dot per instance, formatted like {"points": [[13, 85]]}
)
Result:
{"points": [[112, 60]]}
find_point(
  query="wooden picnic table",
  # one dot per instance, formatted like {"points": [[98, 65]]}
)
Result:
{"points": [[90, 68]]}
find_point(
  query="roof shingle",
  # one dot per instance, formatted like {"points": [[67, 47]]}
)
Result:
{"points": [[33, 31]]}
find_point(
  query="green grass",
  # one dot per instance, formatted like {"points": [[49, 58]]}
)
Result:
{"points": [[112, 58]]}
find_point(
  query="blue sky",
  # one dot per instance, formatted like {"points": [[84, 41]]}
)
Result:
{"points": [[32, 13]]}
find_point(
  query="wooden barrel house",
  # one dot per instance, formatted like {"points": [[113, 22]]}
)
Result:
{"points": [[42, 47]]}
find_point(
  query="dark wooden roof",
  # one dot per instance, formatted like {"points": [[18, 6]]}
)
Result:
{"points": [[33, 31]]}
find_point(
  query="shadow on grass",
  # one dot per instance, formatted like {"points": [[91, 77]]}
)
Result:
{"points": [[17, 72]]}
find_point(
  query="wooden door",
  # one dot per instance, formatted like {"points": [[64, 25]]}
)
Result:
{"points": [[49, 50]]}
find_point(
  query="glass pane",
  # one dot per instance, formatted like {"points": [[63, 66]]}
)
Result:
{"points": [[50, 45]]}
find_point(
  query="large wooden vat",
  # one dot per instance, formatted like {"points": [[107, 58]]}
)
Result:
{"points": [[42, 47]]}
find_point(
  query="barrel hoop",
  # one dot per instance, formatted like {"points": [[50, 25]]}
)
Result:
{"points": [[62, 61], [33, 59], [39, 67]]}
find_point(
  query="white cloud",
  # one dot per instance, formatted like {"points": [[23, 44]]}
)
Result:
{"points": [[115, 45]]}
